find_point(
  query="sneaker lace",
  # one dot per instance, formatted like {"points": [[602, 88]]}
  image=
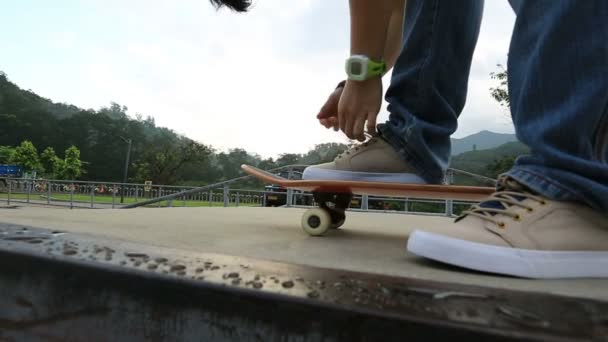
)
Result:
{"points": [[355, 148], [499, 204]]}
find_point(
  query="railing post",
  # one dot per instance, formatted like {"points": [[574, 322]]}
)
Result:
{"points": [[113, 197], [211, 198], [49, 192], [407, 204], [289, 199], [29, 189], [449, 205], [71, 197], [365, 202], [237, 200], [136, 193], [8, 198], [226, 196], [92, 196], [160, 194]]}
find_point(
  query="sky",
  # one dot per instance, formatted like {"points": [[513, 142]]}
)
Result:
{"points": [[254, 81]]}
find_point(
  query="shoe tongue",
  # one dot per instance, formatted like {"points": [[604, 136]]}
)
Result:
{"points": [[499, 205], [492, 205]]}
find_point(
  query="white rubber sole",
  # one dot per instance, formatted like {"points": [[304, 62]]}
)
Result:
{"points": [[312, 173], [509, 261]]}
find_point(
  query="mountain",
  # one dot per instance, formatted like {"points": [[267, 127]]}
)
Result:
{"points": [[11, 96], [489, 163], [480, 141], [477, 161]]}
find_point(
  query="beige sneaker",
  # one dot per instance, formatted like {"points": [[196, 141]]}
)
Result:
{"points": [[374, 161], [517, 233]]}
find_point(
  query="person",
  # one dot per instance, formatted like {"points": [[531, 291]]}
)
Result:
{"points": [[548, 216]]}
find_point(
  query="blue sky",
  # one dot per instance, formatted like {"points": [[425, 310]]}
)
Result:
{"points": [[252, 80]]}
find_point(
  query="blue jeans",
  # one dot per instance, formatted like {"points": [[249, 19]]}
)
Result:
{"points": [[558, 87]]}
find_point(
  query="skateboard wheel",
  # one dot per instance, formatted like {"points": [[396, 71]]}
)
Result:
{"points": [[316, 221]]}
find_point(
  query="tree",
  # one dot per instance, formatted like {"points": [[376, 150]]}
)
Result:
{"points": [[501, 92], [26, 156], [500, 166], [166, 156], [115, 111], [288, 159], [5, 154], [323, 153], [71, 166], [267, 164], [230, 163], [50, 162]]}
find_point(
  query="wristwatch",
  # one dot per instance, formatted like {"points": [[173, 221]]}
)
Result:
{"points": [[361, 68]]}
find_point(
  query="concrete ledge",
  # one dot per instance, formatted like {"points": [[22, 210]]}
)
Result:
{"points": [[69, 286], [368, 242]]}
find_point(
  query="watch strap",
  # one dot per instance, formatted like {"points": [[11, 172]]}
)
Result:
{"points": [[375, 68]]}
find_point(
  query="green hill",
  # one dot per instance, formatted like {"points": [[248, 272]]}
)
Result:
{"points": [[488, 162], [158, 153], [13, 97], [480, 141]]}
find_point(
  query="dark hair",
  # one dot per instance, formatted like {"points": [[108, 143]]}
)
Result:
{"points": [[235, 5]]}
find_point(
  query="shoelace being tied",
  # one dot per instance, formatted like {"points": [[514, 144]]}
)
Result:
{"points": [[371, 139]]}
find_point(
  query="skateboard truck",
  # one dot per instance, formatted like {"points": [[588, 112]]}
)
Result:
{"points": [[329, 215]]}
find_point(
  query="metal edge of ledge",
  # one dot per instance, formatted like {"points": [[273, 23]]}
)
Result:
{"points": [[73, 287]]}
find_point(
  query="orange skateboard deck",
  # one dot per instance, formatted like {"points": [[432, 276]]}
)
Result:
{"points": [[423, 191], [333, 196]]}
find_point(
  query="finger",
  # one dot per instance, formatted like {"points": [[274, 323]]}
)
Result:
{"points": [[350, 122], [371, 123], [324, 123], [333, 122], [342, 120], [330, 108], [358, 125]]}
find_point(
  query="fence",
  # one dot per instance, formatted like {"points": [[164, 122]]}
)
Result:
{"points": [[84, 194]]}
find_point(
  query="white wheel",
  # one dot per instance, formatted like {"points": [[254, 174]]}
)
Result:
{"points": [[316, 221]]}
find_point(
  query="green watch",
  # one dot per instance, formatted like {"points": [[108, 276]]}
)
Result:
{"points": [[361, 68]]}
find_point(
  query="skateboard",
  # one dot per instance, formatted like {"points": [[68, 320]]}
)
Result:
{"points": [[334, 196]]}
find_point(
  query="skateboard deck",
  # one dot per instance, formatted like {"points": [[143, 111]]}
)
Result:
{"points": [[334, 196], [422, 191]]}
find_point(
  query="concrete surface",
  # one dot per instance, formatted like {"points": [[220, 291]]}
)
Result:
{"points": [[368, 242]]}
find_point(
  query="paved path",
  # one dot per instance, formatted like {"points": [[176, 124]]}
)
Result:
{"points": [[368, 242]]}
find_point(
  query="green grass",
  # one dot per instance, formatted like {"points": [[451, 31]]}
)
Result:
{"points": [[104, 199]]}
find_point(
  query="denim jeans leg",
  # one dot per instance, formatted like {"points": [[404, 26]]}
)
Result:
{"points": [[558, 84], [429, 82]]}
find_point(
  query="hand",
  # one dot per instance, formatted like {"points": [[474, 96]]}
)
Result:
{"points": [[328, 115], [360, 102]]}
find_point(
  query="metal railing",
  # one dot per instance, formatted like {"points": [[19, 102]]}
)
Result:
{"points": [[86, 194]]}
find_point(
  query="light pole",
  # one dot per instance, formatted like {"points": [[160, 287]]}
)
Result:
{"points": [[124, 176]]}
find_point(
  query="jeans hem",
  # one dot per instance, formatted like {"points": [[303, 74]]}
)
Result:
{"points": [[409, 156], [545, 186]]}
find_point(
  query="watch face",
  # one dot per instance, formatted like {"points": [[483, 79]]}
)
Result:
{"points": [[356, 68]]}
